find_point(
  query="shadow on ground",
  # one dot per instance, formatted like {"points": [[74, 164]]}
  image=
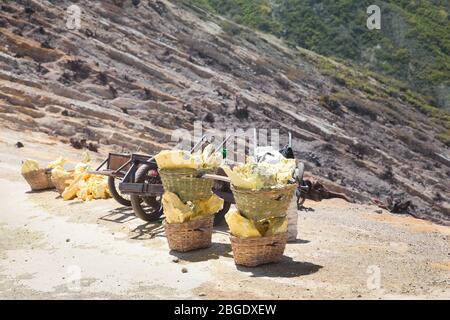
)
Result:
{"points": [[306, 209], [148, 230], [216, 251], [286, 268], [38, 191], [299, 241], [119, 215]]}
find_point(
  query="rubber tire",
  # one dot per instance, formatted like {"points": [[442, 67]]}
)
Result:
{"points": [[136, 201], [220, 216], [115, 194]]}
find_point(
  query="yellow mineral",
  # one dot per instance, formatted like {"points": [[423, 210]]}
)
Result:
{"points": [[257, 176], [29, 165], [99, 187], [174, 209], [238, 180], [240, 226], [71, 191], [62, 174], [176, 159], [276, 226], [203, 208], [57, 163], [179, 159]]}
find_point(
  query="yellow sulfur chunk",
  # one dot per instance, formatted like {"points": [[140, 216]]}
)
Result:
{"points": [[285, 169], [176, 159], [203, 208], [86, 157], [257, 176], [240, 226], [178, 212], [83, 190], [29, 165], [83, 185], [60, 173], [92, 187], [81, 168], [99, 187], [174, 209], [238, 180], [276, 226], [71, 191], [57, 163]]}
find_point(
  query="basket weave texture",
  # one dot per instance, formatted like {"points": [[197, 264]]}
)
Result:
{"points": [[252, 252], [190, 235], [185, 184], [265, 203], [39, 179]]}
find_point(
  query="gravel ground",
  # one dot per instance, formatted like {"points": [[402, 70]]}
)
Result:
{"points": [[59, 250]]}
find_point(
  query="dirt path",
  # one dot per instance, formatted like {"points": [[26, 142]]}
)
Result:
{"points": [[55, 249]]}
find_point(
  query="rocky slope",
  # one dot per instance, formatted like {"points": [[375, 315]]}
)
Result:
{"points": [[412, 44], [134, 72]]}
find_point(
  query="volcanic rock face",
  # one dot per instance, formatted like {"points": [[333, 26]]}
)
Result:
{"points": [[136, 71]]}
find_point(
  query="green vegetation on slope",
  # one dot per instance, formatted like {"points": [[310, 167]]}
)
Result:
{"points": [[413, 44]]}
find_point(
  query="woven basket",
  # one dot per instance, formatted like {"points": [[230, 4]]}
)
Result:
{"points": [[39, 179], [190, 235], [61, 183], [252, 252], [185, 184], [265, 203]]}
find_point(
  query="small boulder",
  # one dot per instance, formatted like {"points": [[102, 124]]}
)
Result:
{"points": [[209, 117]]}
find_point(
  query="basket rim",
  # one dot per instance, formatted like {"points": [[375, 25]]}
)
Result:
{"points": [[180, 171], [264, 190], [190, 222], [40, 170], [258, 239]]}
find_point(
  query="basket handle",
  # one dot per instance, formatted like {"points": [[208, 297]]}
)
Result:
{"points": [[216, 177]]}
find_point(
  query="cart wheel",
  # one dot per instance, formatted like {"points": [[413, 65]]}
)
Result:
{"points": [[114, 190], [150, 209], [220, 216]]}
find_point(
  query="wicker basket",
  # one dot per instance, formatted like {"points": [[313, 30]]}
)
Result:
{"points": [[265, 203], [39, 179], [61, 183], [252, 252], [186, 185], [190, 235]]}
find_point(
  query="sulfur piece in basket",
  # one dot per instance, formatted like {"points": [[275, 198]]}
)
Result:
{"points": [[176, 211], [240, 226]]}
